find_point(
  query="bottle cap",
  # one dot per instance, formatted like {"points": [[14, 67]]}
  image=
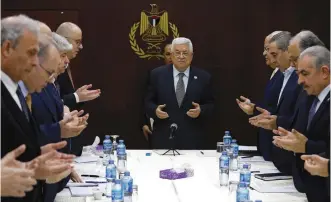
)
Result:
{"points": [[234, 141], [111, 161], [107, 136], [127, 173], [121, 141], [224, 153]]}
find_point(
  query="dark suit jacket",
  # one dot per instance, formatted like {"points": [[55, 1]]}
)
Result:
{"points": [[48, 111], [190, 133], [47, 107], [318, 138], [269, 103], [282, 159], [67, 92], [15, 131]]}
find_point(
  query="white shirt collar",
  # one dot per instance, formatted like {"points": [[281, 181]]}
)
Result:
{"points": [[9, 83], [288, 71], [176, 72], [24, 89], [324, 93]]}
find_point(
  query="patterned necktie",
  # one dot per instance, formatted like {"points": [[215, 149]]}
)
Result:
{"points": [[180, 89], [312, 111], [23, 103], [28, 100]]}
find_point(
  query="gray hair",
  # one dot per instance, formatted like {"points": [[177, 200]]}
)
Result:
{"points": [[45, 42], [307, 39], [273, 34], [61, 43], [320, 55], [182, 40], [282, 40], [12, 28]]}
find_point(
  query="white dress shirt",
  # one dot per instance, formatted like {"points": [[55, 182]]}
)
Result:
{"points": [[322, 96], [287, 74], [11, 87], [185, 78]]}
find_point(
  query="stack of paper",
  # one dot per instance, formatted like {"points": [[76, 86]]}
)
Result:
{"points": [[277, 186]]}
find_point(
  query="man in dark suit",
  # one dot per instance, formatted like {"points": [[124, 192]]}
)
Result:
{"points": [[72, 97], [314, 75], [270, 99], [179, 94], [48, 108], [147, 127], [286, 101], [19, 44]]}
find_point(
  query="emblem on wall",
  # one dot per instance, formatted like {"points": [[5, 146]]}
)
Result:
{"points": [[154, 30]]}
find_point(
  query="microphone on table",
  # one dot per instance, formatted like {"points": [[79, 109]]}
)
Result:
{"points": [[173, 128]]}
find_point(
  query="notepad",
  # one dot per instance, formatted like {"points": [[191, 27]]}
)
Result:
{"points": [[81, 191]]}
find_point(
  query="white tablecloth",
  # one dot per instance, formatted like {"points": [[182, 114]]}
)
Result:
{"points": [[204, 186]]}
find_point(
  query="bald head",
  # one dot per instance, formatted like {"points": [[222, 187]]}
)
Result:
{"points": [[73, 34], [44, 29]]}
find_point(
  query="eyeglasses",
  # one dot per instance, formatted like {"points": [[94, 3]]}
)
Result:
{"points": [[184, 54], [77, 41], [50, 74]]}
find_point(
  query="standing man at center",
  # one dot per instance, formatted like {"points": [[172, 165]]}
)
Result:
{"points": [[181, 94]]}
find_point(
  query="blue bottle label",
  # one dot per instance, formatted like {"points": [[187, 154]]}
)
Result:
{"points": [[227, 140], [235, 150], [245, 177], [241, 197], [117, 195], [224, 162]]}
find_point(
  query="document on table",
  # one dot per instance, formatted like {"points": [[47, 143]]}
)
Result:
{"points": [[251, 159], [247, 148], [81, 191], [277, 186], [86, 159]]}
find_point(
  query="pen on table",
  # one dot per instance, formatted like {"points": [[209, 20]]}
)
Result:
{"points": [[202, 153], [90, 176], [255, 171], [245, 157]]}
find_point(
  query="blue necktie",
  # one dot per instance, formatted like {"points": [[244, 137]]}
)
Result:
{"points": [[312, 111], [23, 103]]}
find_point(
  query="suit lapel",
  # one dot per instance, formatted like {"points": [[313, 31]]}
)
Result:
{"points": [[48, 103], [291, 83], [18, 116], [170, 85], [321, 109], [190, 85]]}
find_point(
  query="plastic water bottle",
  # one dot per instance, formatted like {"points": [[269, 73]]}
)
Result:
{"points": [[234, 156], [117, 194], [127, 183], [121, 148], [107, 147], [245, 174], [111, 171], [121, 157], [224, 169], [242, 192], [109, 193], [227, 140]]}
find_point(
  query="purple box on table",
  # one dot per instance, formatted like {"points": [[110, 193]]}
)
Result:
{"points": [[171, 174]]}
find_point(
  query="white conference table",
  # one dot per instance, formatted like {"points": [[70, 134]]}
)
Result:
{"points": [[203, 186]]}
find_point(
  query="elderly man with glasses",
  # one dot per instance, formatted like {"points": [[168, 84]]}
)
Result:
{"points": [[179, 94]]}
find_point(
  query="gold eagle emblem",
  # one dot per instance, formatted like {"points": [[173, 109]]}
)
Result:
{"points": [[154, 30]]}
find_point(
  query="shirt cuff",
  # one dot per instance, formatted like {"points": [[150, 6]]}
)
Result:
{"points": [[77, 98]]}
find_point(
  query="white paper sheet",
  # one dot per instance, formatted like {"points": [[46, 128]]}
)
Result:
{"points": [[277, 186], [86, 159], [81, 191]]}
